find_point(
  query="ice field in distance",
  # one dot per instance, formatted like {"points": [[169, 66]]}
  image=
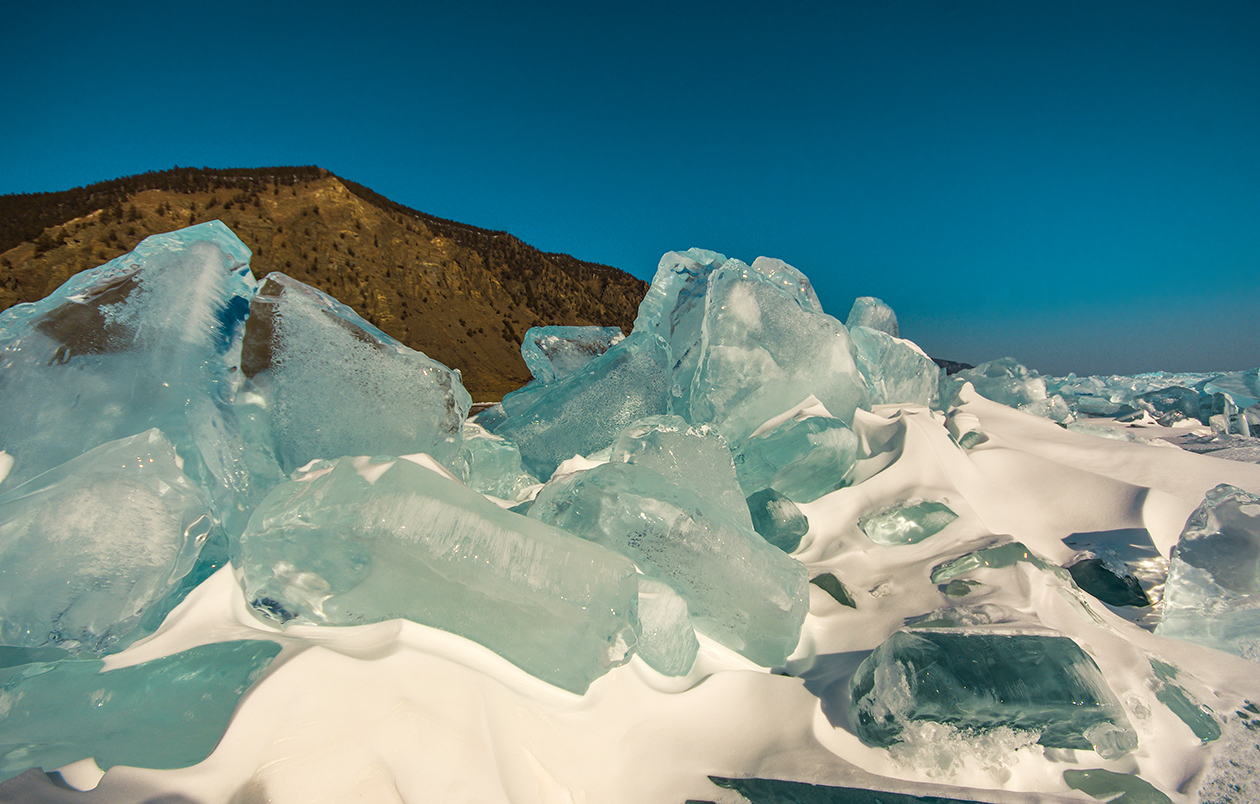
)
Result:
{"points": [[252, 549]]}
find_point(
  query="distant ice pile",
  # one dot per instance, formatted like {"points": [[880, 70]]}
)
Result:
{"points": [[743, 482], [1228, 403]]}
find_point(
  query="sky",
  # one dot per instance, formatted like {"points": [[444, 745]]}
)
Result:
{"points": [[1073, 183]]}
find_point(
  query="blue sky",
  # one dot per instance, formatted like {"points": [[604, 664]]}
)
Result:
{"points": [[1074, 183]]}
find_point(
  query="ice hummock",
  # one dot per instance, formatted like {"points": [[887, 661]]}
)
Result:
{"points": [[339, 721], [361, 540]]}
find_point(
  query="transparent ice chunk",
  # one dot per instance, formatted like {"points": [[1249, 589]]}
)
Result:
{"points": [[802, 459], [692, 456], [491, 465], [982, 680], [145, 340], [741, 591], [667, 642], [586, 410], [906, 522], [551, 353], [673, 309], [1212, 596], [895, 370], [1002, 555], [362, 540], [777, 519], [765, 348], [868, 311], [166, 713], [87, 548], [331, 384]]}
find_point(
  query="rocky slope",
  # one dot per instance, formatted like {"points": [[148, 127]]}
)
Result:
{"points": [[460, 294]]}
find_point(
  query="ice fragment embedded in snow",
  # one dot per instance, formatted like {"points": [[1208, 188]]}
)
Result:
{"points": [[833, 586], [741, 591], [552, 353], [165, 713], [1114, 788], [981, 680], [87, 548], [358, 541], [1007, 381], [1194, 714], [334, 385], [906, 522], [491, 464], [1106, 577], [777, 519]]}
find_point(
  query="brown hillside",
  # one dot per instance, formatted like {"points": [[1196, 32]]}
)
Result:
{"points": [[460, 294]]}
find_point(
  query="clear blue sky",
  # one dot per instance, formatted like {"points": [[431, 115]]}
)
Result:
{"points": [[1075, 183]]}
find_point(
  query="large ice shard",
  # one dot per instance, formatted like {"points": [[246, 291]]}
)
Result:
{"points": [[673, 308], [145, 340], [361, 540], [742, 591], [1212, 596], [552, 353], [584, 412], [331, 384], [802, 459], [868, 311], [980, 680], [766, 345], [166, 713], [895, 370], [694, 457], [87, 548]]}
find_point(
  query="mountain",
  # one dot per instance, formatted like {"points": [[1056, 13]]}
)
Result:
{"points": [[461, 294]]}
